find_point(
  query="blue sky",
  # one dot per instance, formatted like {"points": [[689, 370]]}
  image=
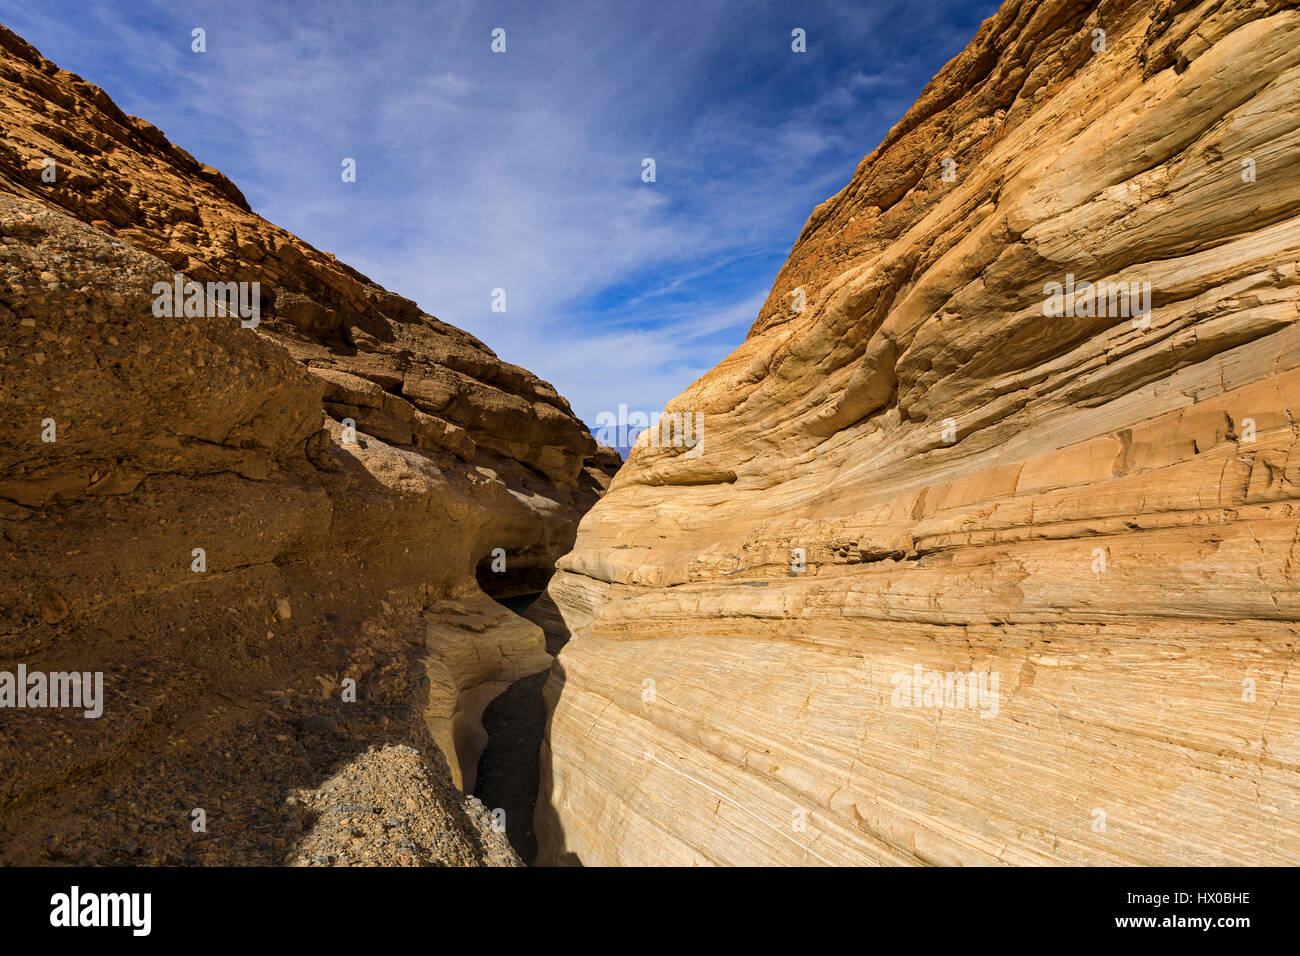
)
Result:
{"points": [[522, 171]]}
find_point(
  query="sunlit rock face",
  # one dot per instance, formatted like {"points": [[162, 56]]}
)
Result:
{"points": [[978, 560]]}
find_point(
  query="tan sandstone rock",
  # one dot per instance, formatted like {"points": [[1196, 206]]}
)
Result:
{"points": [[1098, 513], [185, 509]]}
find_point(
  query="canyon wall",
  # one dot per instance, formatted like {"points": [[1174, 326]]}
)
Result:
{"points": [[185, 508], [975, 564]]}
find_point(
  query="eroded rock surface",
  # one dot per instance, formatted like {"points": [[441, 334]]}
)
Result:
{"points": [[1097, 512], [181, 509]]}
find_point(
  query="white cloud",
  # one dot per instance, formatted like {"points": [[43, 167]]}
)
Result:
{"points": [[521, 171]]}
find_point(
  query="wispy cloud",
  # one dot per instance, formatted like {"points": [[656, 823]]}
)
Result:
{"points": [[522, 171]]}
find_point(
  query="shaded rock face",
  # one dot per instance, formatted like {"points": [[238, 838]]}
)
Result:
{"points": [[184, 509], [962, 574]]}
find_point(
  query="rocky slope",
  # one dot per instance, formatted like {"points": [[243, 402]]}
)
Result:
{"points": [[1090, 517], [182, 509]]}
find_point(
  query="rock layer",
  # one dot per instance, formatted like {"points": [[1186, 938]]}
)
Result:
{"points": [[183, 509], [922, 472]]}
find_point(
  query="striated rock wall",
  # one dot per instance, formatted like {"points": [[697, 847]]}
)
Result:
{"points": [[182, 511], [1090, 518]]}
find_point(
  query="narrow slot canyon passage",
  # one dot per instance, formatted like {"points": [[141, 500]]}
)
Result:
{"points": [[509, 767]]}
